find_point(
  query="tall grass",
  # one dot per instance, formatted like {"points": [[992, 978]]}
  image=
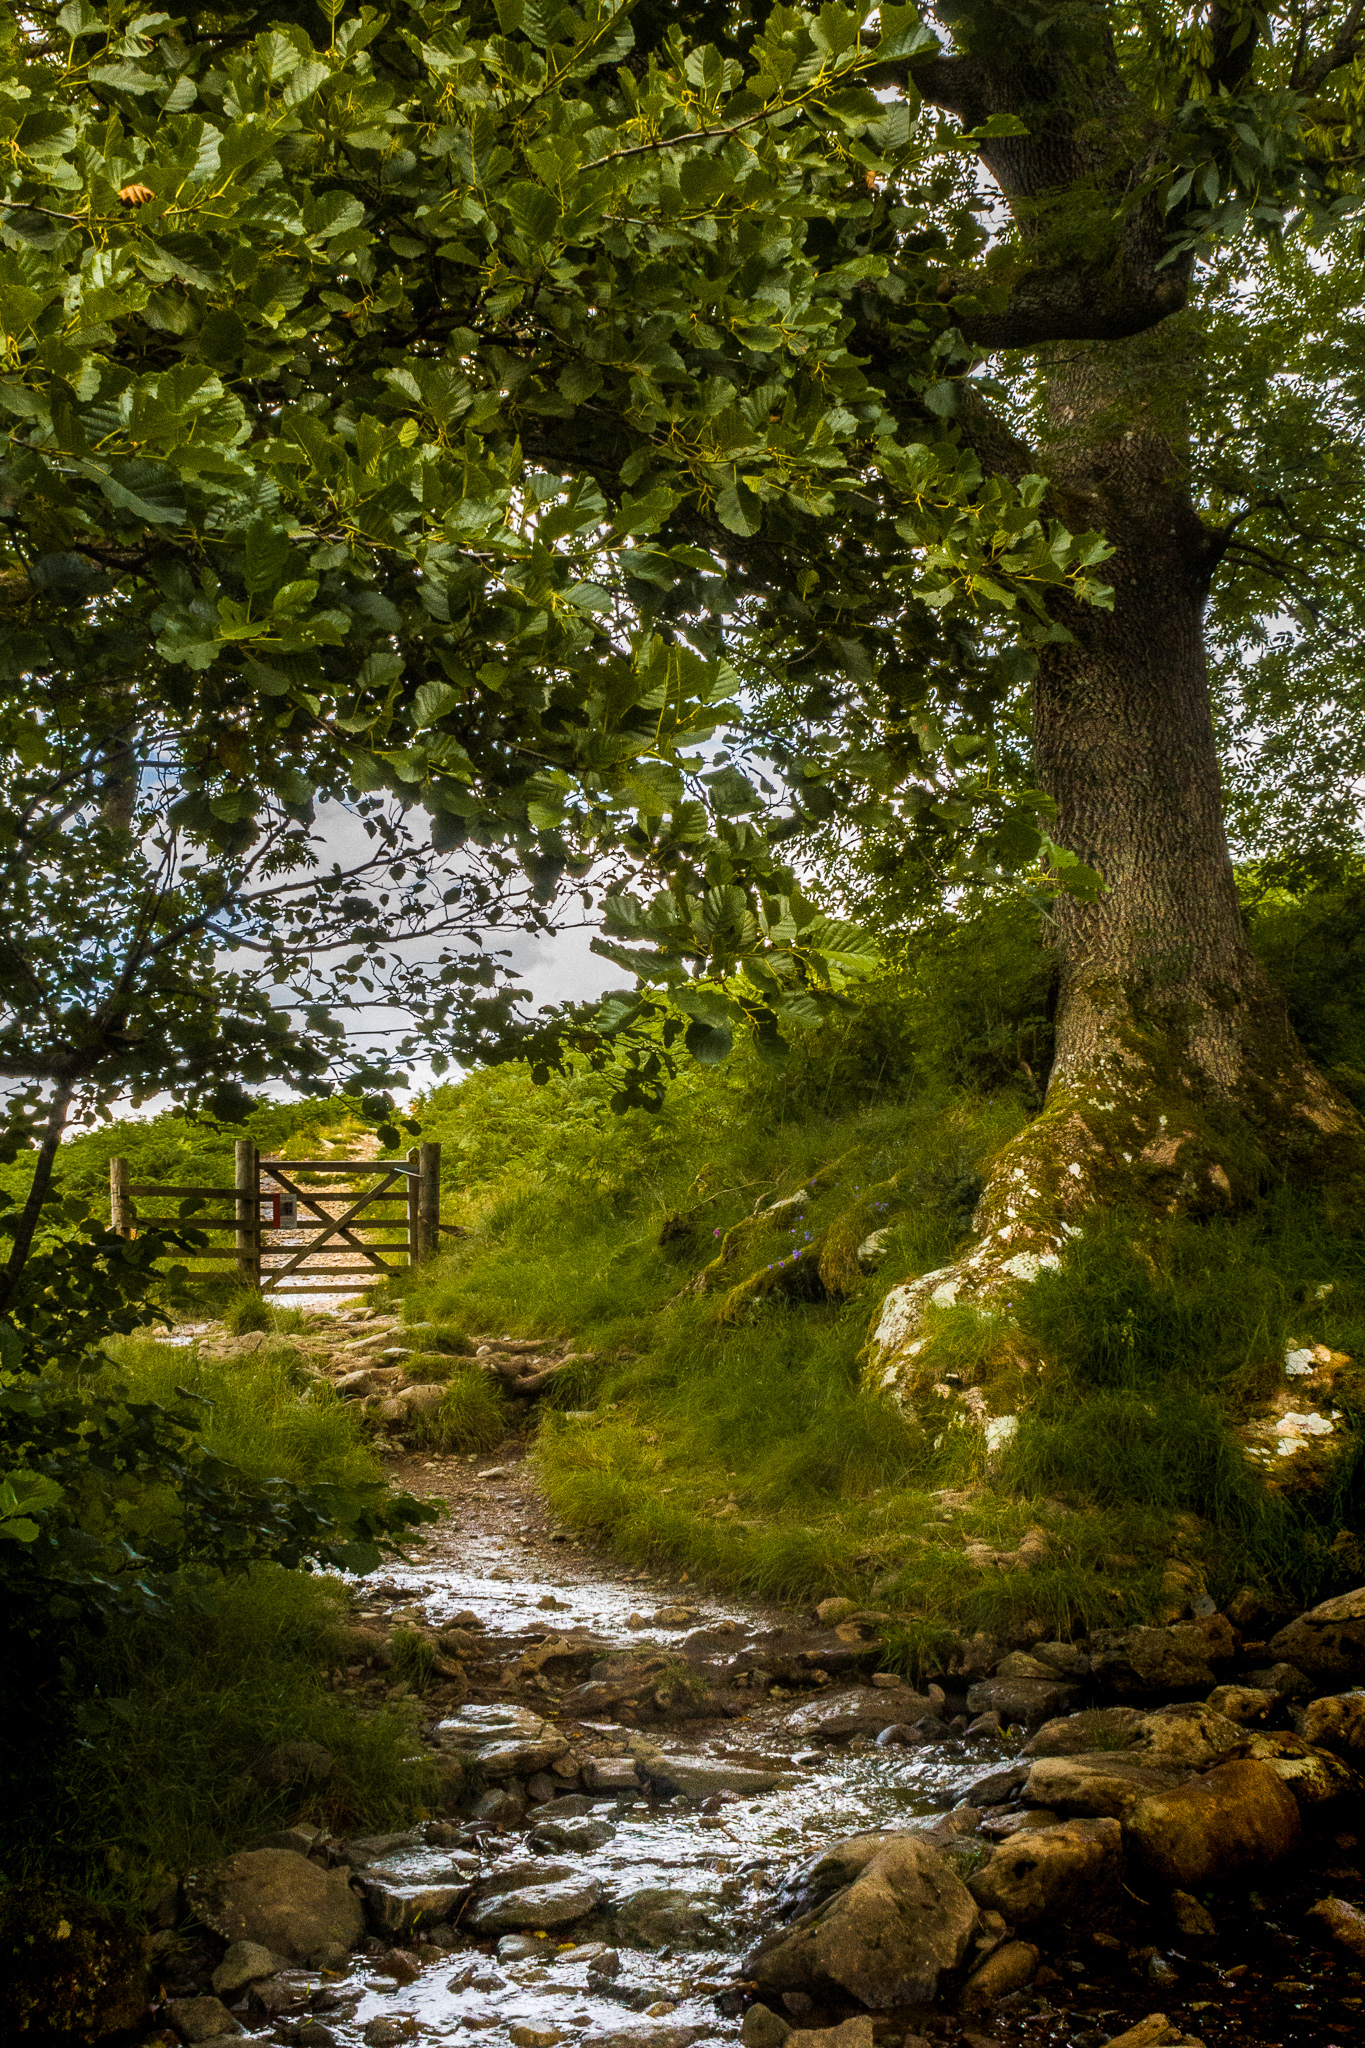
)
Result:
{"points": [[175, 1712], [262, 1410], [473, 1416], [179, 1714]]}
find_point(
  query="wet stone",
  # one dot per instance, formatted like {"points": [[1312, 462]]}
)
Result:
{"points": [[1029, 1699], [571, 1806], [999, 1786], [543, 1905], [400, 1964], [660, 1916], [515, 1876], [244, 1963], [366, 1849], [388, 2033], [763, 2028], [1094, 1728], [1097, 1786], [646, 2034], [201, 2019], [698, 1777], [611, 1774], [582, 1836], [283, 1901], [499, 1807], [505, 1741], [1341, 1924], [273, 1997], [396, 1909], [513, 1948], [861, 1710], [1008, 1968], [854, 2033], [312, 2034]]}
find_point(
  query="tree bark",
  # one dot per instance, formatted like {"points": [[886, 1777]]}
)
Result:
{"points": [[27, 1221], [1159, 986]]}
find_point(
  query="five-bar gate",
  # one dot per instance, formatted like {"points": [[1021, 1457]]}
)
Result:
{"points": [[295, 1231]]}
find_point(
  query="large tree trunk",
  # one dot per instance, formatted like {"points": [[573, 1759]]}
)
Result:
{"points": [[1160, 990], [1178, 1084]]}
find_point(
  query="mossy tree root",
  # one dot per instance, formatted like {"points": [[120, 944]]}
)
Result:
{"points": [[1141, 1132]]}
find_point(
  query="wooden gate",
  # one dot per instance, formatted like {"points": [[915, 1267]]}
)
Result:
{"points": [[294, 1231]]}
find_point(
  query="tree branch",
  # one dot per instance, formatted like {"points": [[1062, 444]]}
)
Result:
{"points": [[1232, 60], [38, 1192], [1345, 48]]}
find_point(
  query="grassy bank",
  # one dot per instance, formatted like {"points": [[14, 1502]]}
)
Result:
{"points": [[142, 1754], [733, 1431]]}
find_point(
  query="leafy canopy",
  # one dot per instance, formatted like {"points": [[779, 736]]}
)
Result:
{"points": [[388, 394]]}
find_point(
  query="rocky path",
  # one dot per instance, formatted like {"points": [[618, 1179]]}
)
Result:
{"points": [[645, 1787]]}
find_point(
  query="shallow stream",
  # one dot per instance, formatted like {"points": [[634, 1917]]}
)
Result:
{"points": [[727, 1862], [1263, 1986]]}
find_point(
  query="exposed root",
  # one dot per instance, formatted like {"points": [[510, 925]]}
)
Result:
{"points": [[524, 1367], [737, 1240]]}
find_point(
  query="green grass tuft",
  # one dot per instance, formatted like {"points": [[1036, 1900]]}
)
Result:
{"points": [[473, 1416], [246, 1311]]}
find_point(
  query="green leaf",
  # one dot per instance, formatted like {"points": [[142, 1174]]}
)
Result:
{"points": [[434, 701], [331, 214], [532, 210], [739, 508], [149, 491], [265, 557], [710, 1044]]}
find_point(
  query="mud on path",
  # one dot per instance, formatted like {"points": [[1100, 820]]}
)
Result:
{"points": [[697, 1766]]}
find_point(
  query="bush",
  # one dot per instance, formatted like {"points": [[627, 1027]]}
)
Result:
{"points": [[1312, 940], [141, 1488]]}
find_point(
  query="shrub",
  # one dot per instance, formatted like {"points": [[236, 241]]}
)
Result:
{"points": [[174, 1717]]}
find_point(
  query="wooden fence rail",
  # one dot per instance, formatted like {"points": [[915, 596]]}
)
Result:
{"points": [[308, 1244]]}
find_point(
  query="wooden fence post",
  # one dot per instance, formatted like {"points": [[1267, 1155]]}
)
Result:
{"points": [[120, 1201], [414, 1206], [248, 1185], [429, 1198]]}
